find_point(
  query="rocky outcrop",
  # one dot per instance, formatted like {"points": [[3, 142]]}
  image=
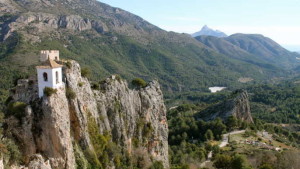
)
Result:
{"points": [[241, 109], [74, 22], [46, 22], [55, 137], [237, 105], [55, 129], [38, 162], [72, 15], [1, 164], [127, 114]]}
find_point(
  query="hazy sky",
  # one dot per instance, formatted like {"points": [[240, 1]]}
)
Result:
{"points": [[277, 19]]}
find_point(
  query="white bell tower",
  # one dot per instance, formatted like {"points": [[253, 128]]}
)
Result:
{"points": [[49, 74]]}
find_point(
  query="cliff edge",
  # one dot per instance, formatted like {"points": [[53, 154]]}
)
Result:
{"points": [[76, 126]]}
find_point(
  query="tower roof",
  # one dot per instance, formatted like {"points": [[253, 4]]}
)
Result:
{"points": [[49, 64]]}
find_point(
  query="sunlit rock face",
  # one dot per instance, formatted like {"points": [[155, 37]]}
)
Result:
{"points": [[50, 126], [237, 105]]}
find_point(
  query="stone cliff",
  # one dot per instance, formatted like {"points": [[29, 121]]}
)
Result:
{"points": [[236, 105], [109, 126]]}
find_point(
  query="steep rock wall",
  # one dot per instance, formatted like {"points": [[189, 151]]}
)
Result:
{"points": [[237, 105], [50, 127]]}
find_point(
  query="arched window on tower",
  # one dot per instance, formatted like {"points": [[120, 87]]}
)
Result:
{"points": [[45, 75], [56, 58], [56, 75]]}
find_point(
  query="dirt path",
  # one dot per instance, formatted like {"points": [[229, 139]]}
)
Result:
{"points": [[222, 144], [225, 137]]}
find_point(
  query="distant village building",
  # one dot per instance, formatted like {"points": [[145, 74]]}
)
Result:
{"points": [[49, 73]]}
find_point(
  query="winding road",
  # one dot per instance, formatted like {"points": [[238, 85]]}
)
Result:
{"points": [[222, 144]]}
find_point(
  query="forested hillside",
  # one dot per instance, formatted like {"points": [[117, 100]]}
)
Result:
{"points": [[253, 48], [109, 40], [273, 103], [192, 139]]}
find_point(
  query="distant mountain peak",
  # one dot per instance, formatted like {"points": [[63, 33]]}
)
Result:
{"points": [[205, 27], [210, 32]]}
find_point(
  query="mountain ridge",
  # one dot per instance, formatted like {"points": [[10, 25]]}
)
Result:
{"points": [[110, 40], [209, 32], [253, 48]]}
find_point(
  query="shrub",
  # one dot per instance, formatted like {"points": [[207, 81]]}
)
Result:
{"points": [[238, 161], [138, 82], [135, 142], [147, 130], [17, 109], [95, 86], [232, 122], [70, 93], [118, 77], [8, 100], [157, 165], [85, 72], [102, 82], [222, 161], [117, 161], [100, 142], [80, 84], [48, 91], [209, 135], [68, 64], [266, 166], [92, 159], [31, 82], [79, 157], [235, 162], [12, 151]]}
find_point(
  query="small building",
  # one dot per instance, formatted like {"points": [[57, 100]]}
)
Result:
{"points": [[49, 73], [49, 54]]}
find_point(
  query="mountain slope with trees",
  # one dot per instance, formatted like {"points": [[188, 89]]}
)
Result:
{"points": [[253, 48], [110, 40]]}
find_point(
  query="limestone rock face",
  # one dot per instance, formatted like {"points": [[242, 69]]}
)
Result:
{"points": [[237, 105], [241, 109], [25, 90], [38, 162], [55, 138], [1, 164], [53, 127], [82, 105], [126, 113], [46, 22], [74, 22]]}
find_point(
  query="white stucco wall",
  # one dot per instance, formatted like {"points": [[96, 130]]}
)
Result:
{"points": [[51, 79]]}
